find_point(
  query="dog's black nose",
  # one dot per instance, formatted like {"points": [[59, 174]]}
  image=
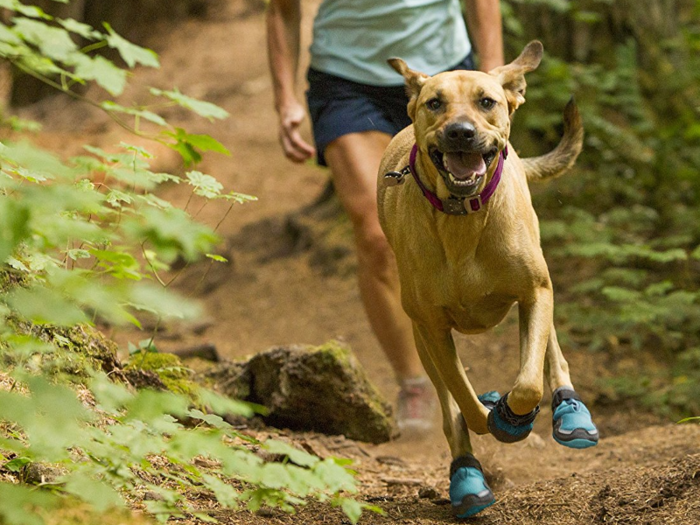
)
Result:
{"points": [[460, 132]]}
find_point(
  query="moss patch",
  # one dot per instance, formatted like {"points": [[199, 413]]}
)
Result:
{"points": [[169, 369]]}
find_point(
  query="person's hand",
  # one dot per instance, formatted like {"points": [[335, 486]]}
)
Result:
{"points": [[295, 147]]}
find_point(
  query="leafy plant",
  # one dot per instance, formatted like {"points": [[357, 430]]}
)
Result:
{"points": [[627, 218], [88, 240]]}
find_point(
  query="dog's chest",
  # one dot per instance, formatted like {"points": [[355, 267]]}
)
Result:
{"points": [[471, 291], [474, 297]]}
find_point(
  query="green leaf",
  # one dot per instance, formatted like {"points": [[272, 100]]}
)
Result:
{"points": [[303, 459], [217, 258], [203, 142], [240, 198], [25, 500], [131, 53], [95, 492], [14, 226], [53, 42], [45, 306], [84, 30], [164, 303], [225, 405], [108, 105], [17, 464], [204, 185], [26, 10], [204, 109], [225, 493], [172, 232], [29, 157], [210, 419], [105, 73], [352, 509]]}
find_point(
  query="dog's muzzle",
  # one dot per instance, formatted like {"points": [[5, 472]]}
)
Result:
{"points": [[461, 157]]}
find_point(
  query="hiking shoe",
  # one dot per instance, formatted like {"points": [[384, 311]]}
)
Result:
{"points": [[416, 405], [571, 420], [507, 426], [489, 399], [469, 493]]}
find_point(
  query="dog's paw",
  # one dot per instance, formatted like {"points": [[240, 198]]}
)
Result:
{"points": [[469, 493], [571, 420], [507, 426]]}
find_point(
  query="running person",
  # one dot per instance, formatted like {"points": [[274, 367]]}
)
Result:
{"points": [[357, 102]]}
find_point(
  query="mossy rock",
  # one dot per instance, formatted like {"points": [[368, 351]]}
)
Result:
{"points": [[322, 389], [169, 370], [84, 348]]}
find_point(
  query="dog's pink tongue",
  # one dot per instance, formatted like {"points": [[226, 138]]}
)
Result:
{"points": [[465, 165]]}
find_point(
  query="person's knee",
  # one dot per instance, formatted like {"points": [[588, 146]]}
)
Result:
{"points": [[373, 247]]}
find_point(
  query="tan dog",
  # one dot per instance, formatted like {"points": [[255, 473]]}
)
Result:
{"points": [[464, 267]]}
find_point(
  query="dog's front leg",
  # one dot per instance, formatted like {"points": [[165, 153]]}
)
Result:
{"points": [[513, 415], [439, 347], [535, 315]]}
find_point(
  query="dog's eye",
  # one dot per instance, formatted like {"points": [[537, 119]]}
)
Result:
{"points": [[487, 103], [434, 104]]}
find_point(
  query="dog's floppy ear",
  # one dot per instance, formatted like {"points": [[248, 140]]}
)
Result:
{"points": [[512, 76], [414, 82]]}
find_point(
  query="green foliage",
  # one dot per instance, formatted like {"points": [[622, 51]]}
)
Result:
{"points": [[628, 216], [87, 240], [131, 442]]}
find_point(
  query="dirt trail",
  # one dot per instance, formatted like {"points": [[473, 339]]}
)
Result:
{"points": [[273, 292]]}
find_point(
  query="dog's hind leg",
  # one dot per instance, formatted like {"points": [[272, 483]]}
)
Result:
{"points": [[439, 346], [453, 424], [555, 366], [469, 493], [572, 425]]}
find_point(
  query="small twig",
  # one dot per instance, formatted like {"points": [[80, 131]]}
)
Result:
{"points": [[153, 268], [403, 481]]}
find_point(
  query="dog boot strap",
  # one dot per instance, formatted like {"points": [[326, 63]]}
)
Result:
{"points": [[507, 415], [562, 393], [468, 460]]}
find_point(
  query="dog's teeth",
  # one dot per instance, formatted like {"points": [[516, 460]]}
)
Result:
{"points": [[461, 182]]}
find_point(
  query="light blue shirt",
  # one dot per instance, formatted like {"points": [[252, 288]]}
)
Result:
{"points": [[353, 39]]}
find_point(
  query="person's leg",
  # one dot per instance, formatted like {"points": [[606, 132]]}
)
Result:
{"points": [[354, 162]]}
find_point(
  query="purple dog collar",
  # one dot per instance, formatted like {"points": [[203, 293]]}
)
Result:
{"points": [[459, 205]]}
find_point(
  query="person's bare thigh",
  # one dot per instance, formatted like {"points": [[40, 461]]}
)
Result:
{"points": [[354, 160]]}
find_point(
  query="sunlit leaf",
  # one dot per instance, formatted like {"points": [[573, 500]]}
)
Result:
{"points": [[131, 53], [204, 109]]}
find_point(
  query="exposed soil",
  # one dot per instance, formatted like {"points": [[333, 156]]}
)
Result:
{"points": [[290, 280]]}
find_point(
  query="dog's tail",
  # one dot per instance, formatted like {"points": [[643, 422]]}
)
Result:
{"points": [[562, 157]]}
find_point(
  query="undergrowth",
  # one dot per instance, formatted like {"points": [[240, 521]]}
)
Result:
{"points": [[626, 223], [88, 241]]}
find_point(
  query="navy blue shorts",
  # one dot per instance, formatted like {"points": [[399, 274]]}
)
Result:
{"points": [[338, 106]]}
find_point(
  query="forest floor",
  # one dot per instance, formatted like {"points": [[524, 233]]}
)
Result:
{"points": [[289, 281]]}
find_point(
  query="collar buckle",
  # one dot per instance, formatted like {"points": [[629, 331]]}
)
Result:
{"points": [[475, 203], [454, 206]]}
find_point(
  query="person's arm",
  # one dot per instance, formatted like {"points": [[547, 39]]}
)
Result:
{"points": [[486, 32], [283, 28]]}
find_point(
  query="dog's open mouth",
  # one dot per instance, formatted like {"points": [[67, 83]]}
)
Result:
{"points": [[462, 171]]}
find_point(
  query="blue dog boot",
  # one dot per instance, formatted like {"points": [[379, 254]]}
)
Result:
{"points": [[489, 399], [571, 420], [469, 492], [507, 426]]}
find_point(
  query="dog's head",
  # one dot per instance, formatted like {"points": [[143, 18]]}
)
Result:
{"points": [[462, 118]]}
